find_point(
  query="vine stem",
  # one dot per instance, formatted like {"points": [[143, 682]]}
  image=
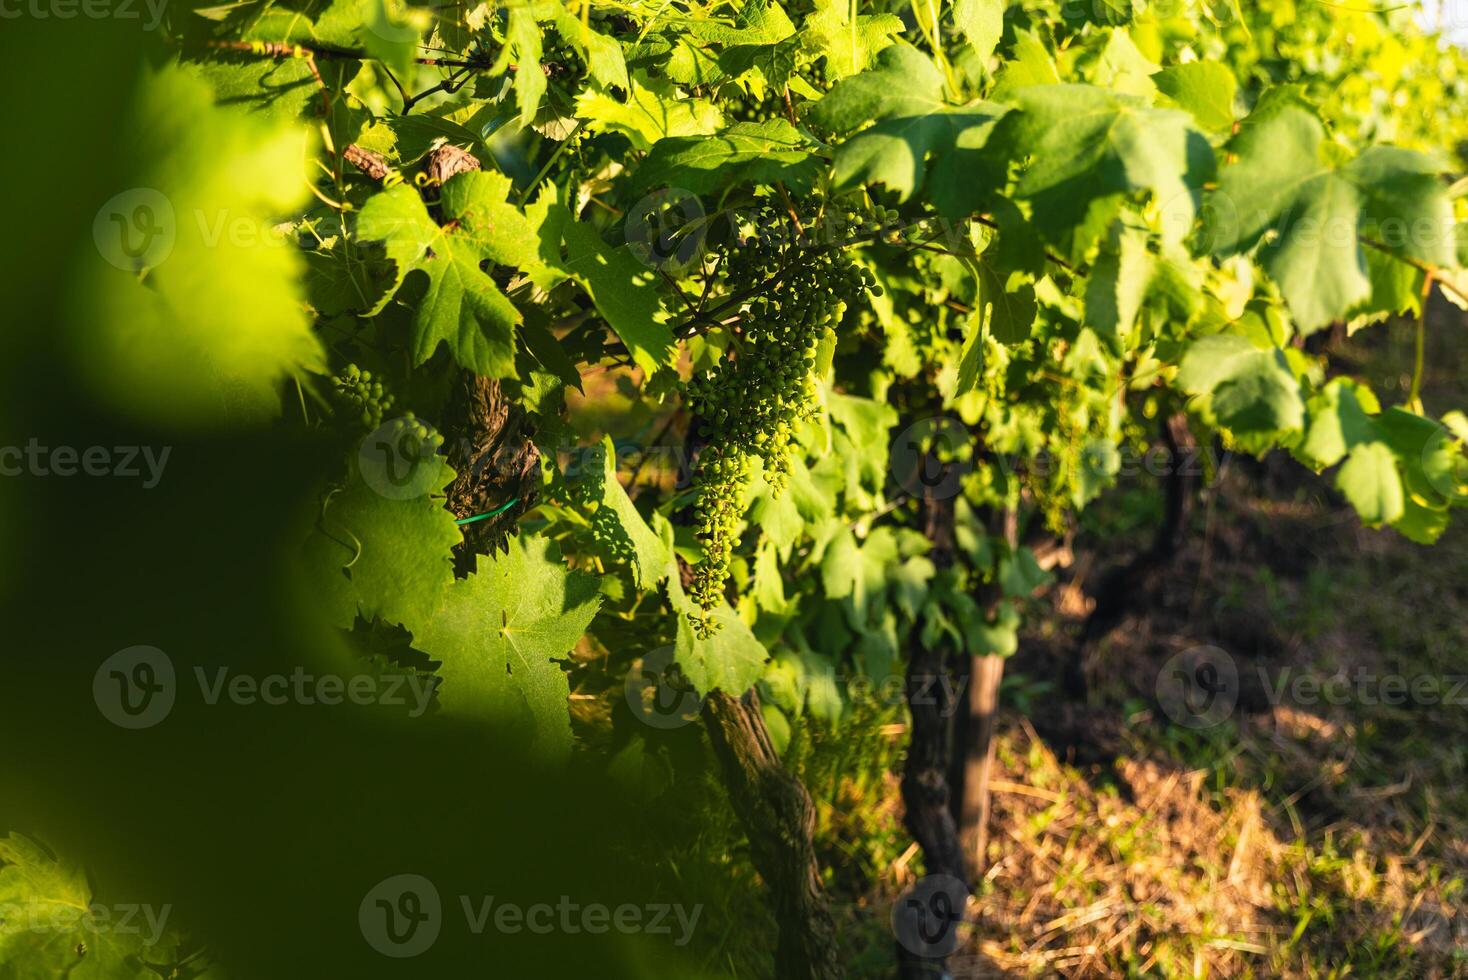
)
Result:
{"points": [[283, 49], [1414, 394], [1433, 273], [556, 155], [329, 52], [448, 86]]}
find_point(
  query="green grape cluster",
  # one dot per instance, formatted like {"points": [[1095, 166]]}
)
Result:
{"points": [[757, 110], [816, 74], [561, 57], [856, 222], [723, 473], [752, 400], [359, 398], [416, 438]]}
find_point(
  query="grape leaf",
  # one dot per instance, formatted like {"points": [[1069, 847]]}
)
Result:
{"points": [[1122, 67], [731, 659], [1308, 213], [903, 93], [985, 637], [847, 45], [218, 322], [384, 555], [754, 23], [866, 423], [1128, 277], [1006, 311], [281, 88], [654, 110], [772, 64], [762, 36], [764, 152], [768, 594], [806, 501], [524, 44], [1370, 481], [982, 22], [909, 581], [624, 292], [408, 139], [903, 83], [1427, 454], [799, 680], [51, 925], [1250, 390], [1029, 64], [501, 634], [1103, 13], [1089, 146], [1117, 286], [860, 573], [600, 485], [1020, 574], [462, 306], [1204, 88], [1009, 303], [347, 276], [1340, 419]]}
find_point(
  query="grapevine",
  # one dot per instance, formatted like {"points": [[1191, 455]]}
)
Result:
{"points": [[883, 301]]}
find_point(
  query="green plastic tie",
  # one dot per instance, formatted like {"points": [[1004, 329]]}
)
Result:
{"points": [[494, 513]]}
